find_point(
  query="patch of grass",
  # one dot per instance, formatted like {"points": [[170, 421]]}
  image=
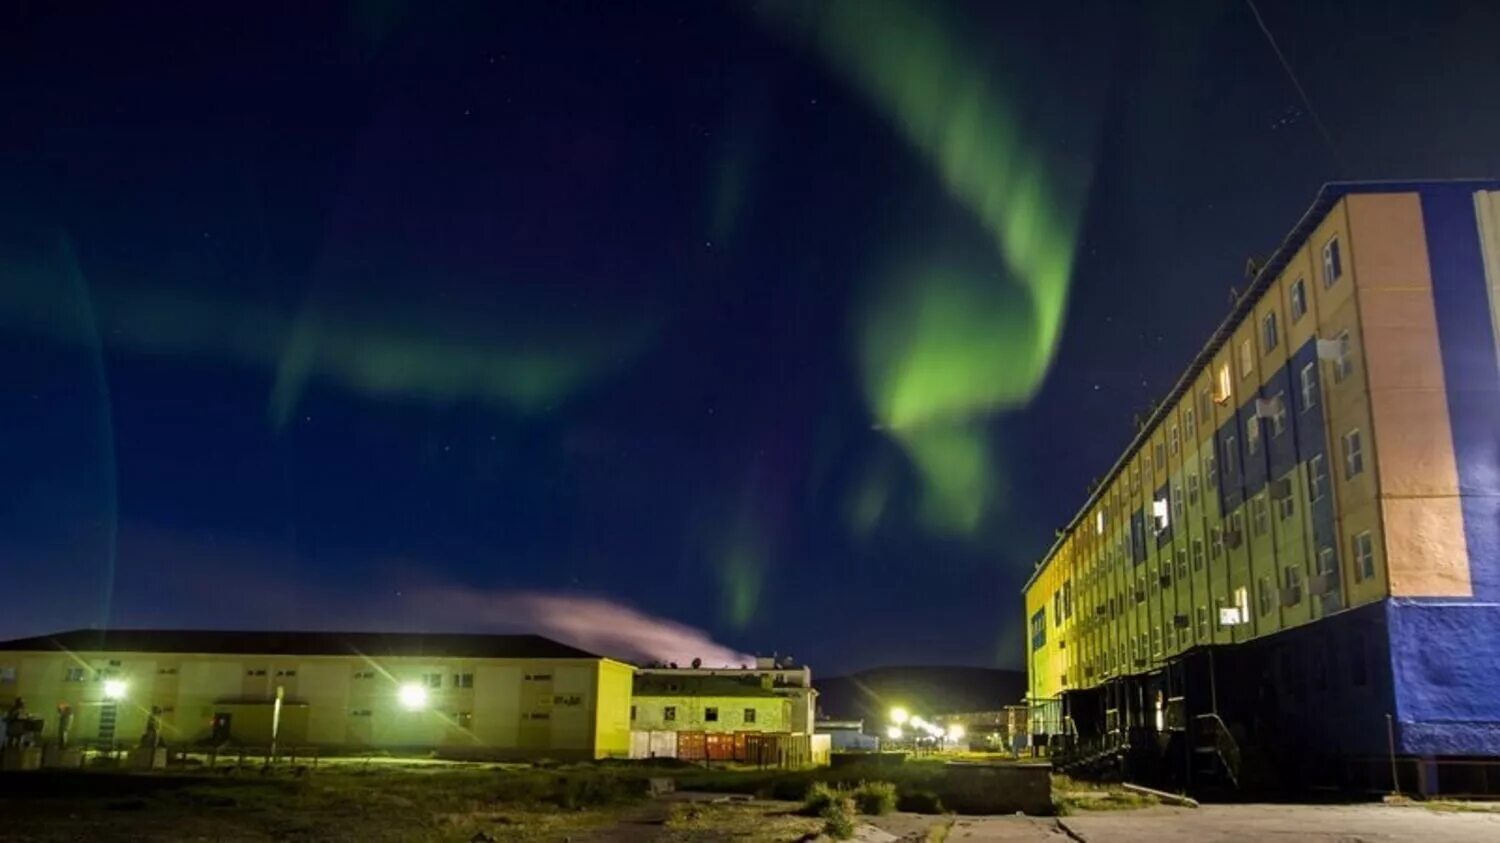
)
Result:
{"points": [[1453, 806], [1115, 800], [938, 831], [745, 823], [838, 818], [875, 798], [818, 799]]}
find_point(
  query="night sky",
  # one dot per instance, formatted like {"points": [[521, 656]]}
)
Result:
{"points": [[792, 327]]}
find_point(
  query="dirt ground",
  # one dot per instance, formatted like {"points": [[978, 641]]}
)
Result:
{"points": [[439, 804]]}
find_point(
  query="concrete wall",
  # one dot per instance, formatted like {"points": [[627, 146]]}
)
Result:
{"points": [[772, 714]]}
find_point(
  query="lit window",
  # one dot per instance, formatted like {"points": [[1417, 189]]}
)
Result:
{"points": [[1317, 475], [1309, 386], [1252, 435], [1269, 336], [1298, 299], [1247, 359], [1354, 454], [1225, 385], [1343, 366], [1333, 263], [711, 714], [1364, 556]]}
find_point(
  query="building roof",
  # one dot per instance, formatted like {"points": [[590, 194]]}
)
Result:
{"points": [[1328, 196], [703, 686], [277, 643]]}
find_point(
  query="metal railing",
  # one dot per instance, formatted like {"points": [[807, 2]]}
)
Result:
{"points": [[1224, 744]]}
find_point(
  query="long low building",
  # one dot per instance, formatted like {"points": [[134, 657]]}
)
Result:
{"points": [[521, 696]]}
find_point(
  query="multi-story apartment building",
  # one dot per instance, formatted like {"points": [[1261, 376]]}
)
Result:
{"points": [[1294, 568]]}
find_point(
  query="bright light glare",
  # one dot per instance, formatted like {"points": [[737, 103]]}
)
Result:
{"points": [[114, 689], [413, 697], [955, 732], [899, 716], [894, 733]]}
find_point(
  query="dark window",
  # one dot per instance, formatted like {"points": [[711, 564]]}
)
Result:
{"points": [[711, 714], [749, 715], [669, 713], [632, 712], [463, 680]]}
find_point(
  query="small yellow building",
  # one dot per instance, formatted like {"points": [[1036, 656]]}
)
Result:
{"points": [[518, 696]]}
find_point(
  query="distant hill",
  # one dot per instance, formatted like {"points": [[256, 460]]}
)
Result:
{"points": [[870, 694]]}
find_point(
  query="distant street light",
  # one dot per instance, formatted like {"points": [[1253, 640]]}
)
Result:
{"points": [[894, 733], [955, 732], [899, 716], [413, 697], [114, 689]]}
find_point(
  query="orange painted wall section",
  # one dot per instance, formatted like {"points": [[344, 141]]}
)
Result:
{"points": [[1412, 446]]}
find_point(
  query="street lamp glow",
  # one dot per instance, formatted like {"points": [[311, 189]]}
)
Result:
{"points": [[955, 732], [413, 696], [899, 716], [894, 733], [114, 689]]}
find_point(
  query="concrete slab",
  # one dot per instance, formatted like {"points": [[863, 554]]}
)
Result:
{"points": [[1254, 823]]}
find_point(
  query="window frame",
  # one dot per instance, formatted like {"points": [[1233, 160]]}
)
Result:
{"points": [[1297, 295], [1333, 262], [1309, 386], [1270, 332], [1354, 457]]}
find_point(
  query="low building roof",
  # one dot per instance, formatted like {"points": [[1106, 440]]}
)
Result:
{"points": [[278, 643], [702, 686]]}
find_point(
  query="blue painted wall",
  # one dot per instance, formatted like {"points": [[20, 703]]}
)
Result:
{"points": [[1445, 658]]}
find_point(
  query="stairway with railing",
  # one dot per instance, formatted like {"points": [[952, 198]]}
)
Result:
{"points": [[1216, 753]]}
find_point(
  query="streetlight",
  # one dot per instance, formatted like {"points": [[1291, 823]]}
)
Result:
{"points": [[899, 716], [894, 733], [413, 696], [114, 689], [955, 732]]}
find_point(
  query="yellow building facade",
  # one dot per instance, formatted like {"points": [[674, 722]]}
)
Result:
{"points": [[1312, 501], [490, 695]]}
